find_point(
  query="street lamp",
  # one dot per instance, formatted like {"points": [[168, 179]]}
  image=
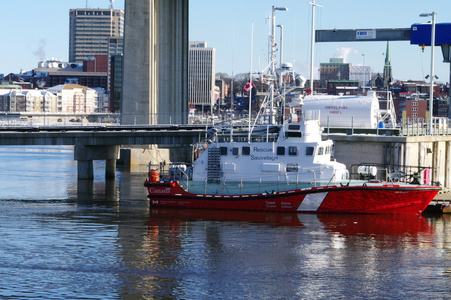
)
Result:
{"points": [[312, 46], [273, 54], [431, 92], [281, 43], [364, 73], [273, 35]]}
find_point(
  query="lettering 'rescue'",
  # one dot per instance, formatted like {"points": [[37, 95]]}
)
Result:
{"points": [[262, 149], [266, 157]]}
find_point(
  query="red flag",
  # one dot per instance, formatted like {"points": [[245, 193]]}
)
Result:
{"points": [[248, 86]]}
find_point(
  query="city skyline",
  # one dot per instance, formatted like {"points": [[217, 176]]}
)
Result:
{"points": [[36, 37]]}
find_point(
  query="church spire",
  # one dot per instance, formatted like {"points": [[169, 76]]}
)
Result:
{"points": [[388, 77], [387, 55]]}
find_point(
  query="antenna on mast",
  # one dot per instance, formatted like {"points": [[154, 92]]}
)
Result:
{"points": [[111, 4]]}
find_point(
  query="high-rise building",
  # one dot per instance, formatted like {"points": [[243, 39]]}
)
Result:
{"points": [[92, 30], [201, 74], [116, 82]]}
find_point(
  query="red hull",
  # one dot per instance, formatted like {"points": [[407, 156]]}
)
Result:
{"points": [[384, 199]]}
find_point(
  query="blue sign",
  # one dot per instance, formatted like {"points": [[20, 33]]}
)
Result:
{"points": [[420, 34]]}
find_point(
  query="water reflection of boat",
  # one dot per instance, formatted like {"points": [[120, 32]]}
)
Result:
{"points": [[341, 224], [371, 225], [184, 215]]}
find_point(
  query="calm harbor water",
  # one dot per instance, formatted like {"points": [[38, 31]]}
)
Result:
{"points": [[65, 239]]}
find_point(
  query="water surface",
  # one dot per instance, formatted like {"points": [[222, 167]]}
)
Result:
{"points": [[66, 239]]}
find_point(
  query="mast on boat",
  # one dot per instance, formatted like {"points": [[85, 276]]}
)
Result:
{"points": [[273, 59], [270, 77], [251, 84]]}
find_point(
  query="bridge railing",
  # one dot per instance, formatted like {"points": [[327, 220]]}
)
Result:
{"points": [[409, 127]]}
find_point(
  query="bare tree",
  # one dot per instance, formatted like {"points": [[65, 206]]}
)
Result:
{"points": [[239, 81]]}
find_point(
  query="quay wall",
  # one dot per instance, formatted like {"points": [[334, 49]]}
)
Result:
{"points": [[425, 151], [136, 157]]}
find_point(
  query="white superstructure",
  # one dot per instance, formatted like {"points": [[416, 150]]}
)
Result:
{"points": [[292, 154]]}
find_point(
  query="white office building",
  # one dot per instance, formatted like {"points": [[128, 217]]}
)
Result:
{"points": [[201, 75]]}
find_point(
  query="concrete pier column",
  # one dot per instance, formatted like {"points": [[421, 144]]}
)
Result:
{"points": [[421, 154], [85, 154], [435, 162], [407, 155], [85, 169], [155, 72], [110, 190], [447, 181], [85, 189], [399, 159], [110, 168], [440, 160]]}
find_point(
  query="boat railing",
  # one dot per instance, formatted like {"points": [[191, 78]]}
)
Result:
{"points": [[259, 185], [174, 171], [264, 133], [244, 138], [264, 184], [391, 173]]}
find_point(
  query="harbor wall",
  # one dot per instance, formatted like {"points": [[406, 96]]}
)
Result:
{"points": [[425, 151], [137, 158]]}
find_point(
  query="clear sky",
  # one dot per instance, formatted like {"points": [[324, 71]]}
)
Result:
{"points": [[33, 30]]}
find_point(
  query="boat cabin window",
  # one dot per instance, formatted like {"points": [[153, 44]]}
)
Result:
{"points": [[235, 151], [223, 150], [328, 150], [293, 134], [309, 151], [280, 150], [293, 150], [320, 151], [246, 150]]}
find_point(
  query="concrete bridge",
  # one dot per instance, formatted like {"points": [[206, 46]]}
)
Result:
{"points": [[104, 143], [101, 142]]}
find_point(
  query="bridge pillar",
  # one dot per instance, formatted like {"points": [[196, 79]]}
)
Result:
{"points": [[85, 169], [110, 168], [84, 155], [155, 72]]}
